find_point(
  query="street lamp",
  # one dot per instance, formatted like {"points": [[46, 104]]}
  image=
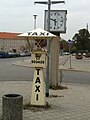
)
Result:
{"points": [[34, 21]]}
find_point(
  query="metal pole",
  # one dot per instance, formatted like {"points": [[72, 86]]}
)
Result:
{"points": [[70, 55], [49, 7], [35, 26], [48, 52], [61, 76], [35, 21], [70, 62]]}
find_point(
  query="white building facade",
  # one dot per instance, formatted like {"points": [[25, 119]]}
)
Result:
{"points": [[10, 43]]}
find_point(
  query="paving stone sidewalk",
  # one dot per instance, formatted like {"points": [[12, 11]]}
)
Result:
{"points": [[74, 104], [69, 104]]}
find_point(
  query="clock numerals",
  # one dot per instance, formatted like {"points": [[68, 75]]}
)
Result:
{"points": [[56, 21]]}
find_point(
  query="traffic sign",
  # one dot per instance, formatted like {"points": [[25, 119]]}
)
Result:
{"points": [[69, 42]]}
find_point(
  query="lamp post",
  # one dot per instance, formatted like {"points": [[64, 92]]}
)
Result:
{"points": [[49, 2], [35, 16]]}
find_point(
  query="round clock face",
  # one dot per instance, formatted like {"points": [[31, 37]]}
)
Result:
{"points": [[56, 21]]}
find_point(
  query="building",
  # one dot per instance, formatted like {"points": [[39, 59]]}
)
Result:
{"points": [[10, 43]]}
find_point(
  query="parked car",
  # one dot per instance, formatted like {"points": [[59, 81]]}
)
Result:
{"points": [[25, 54], [73, 54], [84, 54], [87, 55], [12, 54], [4, 55], [66, 53], [79, 56]]}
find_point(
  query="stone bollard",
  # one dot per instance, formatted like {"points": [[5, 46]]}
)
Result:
{"points": [[12, 107]]}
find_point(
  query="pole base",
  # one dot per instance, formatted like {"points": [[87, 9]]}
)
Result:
{"points": [[47, 94]]}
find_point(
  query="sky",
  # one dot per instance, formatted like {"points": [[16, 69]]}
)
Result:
{"points": [[17, 15]]}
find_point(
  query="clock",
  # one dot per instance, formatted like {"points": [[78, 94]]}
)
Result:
{"points": [[57, 20]]}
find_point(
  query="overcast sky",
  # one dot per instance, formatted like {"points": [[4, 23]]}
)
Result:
{"points": [[17, 15]]}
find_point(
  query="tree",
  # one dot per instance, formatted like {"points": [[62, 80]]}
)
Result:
{"points": [[64, 45], [81, 40]]}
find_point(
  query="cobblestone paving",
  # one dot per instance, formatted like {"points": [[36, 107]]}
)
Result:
{"points": [[74, 104], [70, 104]]}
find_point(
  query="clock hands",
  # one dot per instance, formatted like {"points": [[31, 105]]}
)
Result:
{"points": [[54, 21]]}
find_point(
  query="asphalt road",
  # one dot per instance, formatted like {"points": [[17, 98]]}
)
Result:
{"points": [[76, 77], [9, 72]]}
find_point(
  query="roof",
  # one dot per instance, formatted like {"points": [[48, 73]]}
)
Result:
{"points": [[37, 34], [8, 35]]}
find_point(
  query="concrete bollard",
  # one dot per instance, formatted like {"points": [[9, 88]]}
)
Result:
{"points": [[12, 107]]}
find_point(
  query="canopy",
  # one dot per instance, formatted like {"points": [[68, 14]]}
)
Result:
{"points": [[37, 34]]}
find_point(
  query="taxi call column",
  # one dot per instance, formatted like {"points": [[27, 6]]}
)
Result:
{"points": [[38, 86]]}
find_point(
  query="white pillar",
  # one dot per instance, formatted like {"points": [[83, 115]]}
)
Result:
{"points": [[54, 61], [38, 88]]}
